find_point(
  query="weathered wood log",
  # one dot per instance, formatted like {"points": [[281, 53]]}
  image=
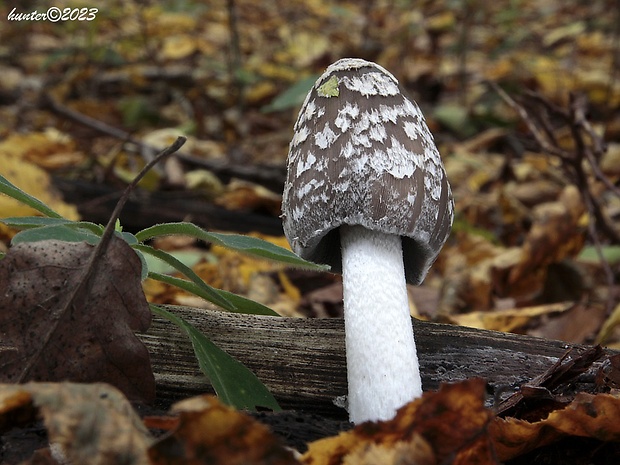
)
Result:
{"points": [[302, 361]]}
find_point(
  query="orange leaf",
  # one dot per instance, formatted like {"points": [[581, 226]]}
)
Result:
{"points": [[210, 432], [447, 425], [591, 416]]}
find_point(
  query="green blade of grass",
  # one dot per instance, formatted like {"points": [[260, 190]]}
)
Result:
{"points": [[29, 222], [8, 188], [245, 244], [207, 292], [233, 382], [242, 304], [61, 232]]}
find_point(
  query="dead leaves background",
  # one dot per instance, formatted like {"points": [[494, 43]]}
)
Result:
{"points": [[518, 259]]}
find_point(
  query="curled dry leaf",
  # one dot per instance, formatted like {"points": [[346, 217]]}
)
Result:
{"points": [[478, 271], [447, 426], [554, 387], [414, 452], [558, 232], [590, 416], [92, 423], [509, 320], [549, 408], [37, 182], [210, 432], [53, 327], [50, 149], [243, 195]]}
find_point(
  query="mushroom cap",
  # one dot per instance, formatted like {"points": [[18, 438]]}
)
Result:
{"points": [[362, 154]]}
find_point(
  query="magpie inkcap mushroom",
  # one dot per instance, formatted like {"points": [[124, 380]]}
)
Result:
{"points": [[366, 192]]}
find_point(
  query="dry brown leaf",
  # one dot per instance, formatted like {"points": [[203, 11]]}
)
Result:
{"points": [[591, 416], [178, 46], [449, 425], [50, 334], [86, 423], [610, 162], [530, 193], [414, 452], [475, 270], [558, 232], [210, 432], [49, 149], [508, 320], [242, 195]]}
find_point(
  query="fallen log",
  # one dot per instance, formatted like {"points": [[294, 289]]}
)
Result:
{"points": [[302, 361]]}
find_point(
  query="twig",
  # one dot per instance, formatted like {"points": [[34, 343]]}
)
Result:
{"points": [[614, 67], [464, 46], [599, 145], [85, 279], [545, 145], [270, 177], [609, 274], [109, 228], [585, 151], [235, 51]]}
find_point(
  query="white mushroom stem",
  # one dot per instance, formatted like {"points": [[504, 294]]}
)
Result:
{"points": [[382, 364]]}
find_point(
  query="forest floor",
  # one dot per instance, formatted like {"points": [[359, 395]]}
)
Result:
{"points": [[523, 99]]}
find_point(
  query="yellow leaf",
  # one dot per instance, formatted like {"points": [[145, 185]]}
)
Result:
{"points": [[167, 23], [49, 149], [507, 320], [289, 288], [177, 47], [260, 91], [441, 22], [36, 182], [570, 31], [553, 79], [305, 47], [608, 326]]}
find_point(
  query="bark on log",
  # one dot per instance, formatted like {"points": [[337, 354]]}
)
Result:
{"points": [[302, 361]]}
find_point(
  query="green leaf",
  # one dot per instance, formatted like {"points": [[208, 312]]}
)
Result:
{"points": [[293, 96], [144, 272], [187, 257], [456, 118], [6, 187], [61, 232], [242, 305], [29, 222], [37, 228], [207, 292], [234, 384], [329, 88], [611, 253], [245, 244], [246, 305]]}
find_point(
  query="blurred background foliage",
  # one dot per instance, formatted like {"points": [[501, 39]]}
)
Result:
{"points": [[535, 243]]}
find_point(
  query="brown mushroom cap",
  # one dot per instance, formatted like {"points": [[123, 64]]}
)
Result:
{"points": [[362, 154]]}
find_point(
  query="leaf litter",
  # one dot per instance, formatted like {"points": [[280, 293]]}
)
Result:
{"points": [[85, 423], [497, 195], [54, 328]]}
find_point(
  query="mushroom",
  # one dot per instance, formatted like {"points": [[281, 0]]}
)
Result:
{"points": [[366, 193]]}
